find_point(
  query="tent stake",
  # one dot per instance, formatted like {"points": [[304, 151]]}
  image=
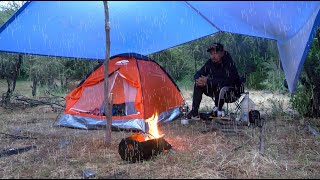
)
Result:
{"points": [[108, 108]]}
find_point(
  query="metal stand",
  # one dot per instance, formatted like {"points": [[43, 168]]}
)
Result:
{"points": [[228, 124]]}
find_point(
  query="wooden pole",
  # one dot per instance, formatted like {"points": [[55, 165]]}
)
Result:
{"points": [[108, 109], [262, 137]]}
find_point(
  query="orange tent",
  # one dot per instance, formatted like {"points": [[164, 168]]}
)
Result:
{"points": [[140, 87]]}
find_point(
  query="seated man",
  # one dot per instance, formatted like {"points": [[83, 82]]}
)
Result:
{"points": [[219, 71]]}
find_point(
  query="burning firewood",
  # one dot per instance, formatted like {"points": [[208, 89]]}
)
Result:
{"points": [[139, 147], [136, 148]]}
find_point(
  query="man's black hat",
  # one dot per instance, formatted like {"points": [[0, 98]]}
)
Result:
{"points": [[216, 47]]}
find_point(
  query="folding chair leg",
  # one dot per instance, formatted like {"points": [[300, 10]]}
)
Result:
{"points": [[227, 108]]}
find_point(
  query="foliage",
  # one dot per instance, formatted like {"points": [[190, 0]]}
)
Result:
{"points": [[301, 100], [307, 98], [277, 108], [274, 82]]}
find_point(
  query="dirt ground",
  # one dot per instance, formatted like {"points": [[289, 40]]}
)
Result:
{"points": [[290, 152]]}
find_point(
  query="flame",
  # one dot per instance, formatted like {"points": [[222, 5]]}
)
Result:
{"points": [[153, 127]]}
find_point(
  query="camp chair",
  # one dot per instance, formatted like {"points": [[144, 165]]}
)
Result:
{"points": [[227, 94]]}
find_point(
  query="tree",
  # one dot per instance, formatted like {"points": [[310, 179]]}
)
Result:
{"points": [[42, 70], [312, 81], [9, 69], [9, 64], [307, 98]]}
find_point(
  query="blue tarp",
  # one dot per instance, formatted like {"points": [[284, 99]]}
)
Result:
{"points": [[76, 29]]}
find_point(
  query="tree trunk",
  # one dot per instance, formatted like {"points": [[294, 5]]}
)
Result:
{"points": [[34, 87], [108, 103], [17, 70], [51, 82], [66, 81], [316, 104], [9, 92], [61, 82], [12, 80]]}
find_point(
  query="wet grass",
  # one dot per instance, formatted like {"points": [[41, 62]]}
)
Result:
{"points": [[290, 152]]}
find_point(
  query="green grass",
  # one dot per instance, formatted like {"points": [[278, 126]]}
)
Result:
{"points": [[23, 87]]}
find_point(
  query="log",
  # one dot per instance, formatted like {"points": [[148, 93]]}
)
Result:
{"points": [[16, 136], [34, 102], [136, 149], [13, 151]]}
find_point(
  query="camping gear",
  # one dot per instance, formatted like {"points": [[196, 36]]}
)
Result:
{"points": [[136, 148], [140, 87], [255, 119], [207, 116], [184, 121], [246, 105], [184, 109]]}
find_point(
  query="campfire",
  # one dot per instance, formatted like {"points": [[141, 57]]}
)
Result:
{"points": [[140, 146], [153, 128]]}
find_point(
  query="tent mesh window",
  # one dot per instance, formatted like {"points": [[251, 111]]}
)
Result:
{"points": [[92, 99]]}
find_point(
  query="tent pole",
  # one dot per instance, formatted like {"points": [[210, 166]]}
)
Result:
{"points": [[108, 108]]}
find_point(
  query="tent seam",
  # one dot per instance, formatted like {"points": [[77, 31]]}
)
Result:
{"points": [[203, 16]]}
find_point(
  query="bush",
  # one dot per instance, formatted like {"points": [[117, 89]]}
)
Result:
{"points": [[301, 100], [306, 99]]}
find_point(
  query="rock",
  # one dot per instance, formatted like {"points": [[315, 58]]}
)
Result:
{"points": [[16, 131], [312, 130], [87, 174], [172, 152], [63, 143]]}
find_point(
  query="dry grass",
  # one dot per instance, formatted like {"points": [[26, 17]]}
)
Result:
{"points": [[290, 151]]}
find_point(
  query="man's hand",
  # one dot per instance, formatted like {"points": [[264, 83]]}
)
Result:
{"points": [[202, 81]]}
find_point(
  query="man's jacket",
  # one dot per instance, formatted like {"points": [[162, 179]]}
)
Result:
{"points": [[220, 74]]}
